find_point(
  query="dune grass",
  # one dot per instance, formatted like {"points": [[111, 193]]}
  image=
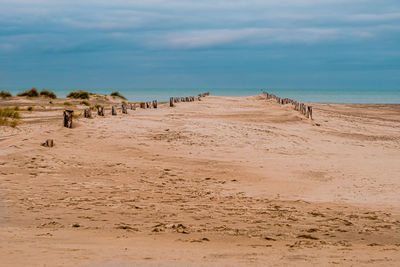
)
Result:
{"points": [[5, 94], [9, 116], [47, 93], [79, 95], [31, 93], [86, 103], [117, 94]]}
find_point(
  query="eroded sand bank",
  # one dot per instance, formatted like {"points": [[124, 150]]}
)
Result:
{"points": [[227, 180]]}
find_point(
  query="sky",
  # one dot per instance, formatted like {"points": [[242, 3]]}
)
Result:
{"points": [[193, 44]]}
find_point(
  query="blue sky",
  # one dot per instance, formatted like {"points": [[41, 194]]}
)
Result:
{"points": [[174, 43]]}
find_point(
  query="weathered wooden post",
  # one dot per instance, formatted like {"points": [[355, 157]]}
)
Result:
{"points": [[100, 111], [114, 110], [133, 106], [182, 99], [310, 111], [48, 143], [155, 103], [171, 101], [186, 99], [124, 109], [87, 113], [142, 105], [68, 114]]}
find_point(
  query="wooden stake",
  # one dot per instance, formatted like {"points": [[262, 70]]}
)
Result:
{"points": [[100, 111], [68, 118], [171, 101], [87, 113], [124, 109], [114, 110], [48, 143]]}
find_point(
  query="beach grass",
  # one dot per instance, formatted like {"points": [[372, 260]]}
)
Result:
{"points": [[79, 95], [9, 116], [47, 93], [5, 94], [117, 94], [86, 103], [30, 93]]}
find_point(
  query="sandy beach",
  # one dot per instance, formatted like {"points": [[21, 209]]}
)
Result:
{"points": [[232, 181]]}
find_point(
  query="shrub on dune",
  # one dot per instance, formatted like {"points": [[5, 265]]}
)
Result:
{"points": [[31, 93], [48, 94], [79, 95], [117, 94], [5, 94]]}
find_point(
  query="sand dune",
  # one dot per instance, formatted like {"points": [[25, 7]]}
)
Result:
{"points": [[224, 181]]}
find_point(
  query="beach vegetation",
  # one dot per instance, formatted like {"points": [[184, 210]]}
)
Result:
{"points": [[67, 104], [76, 115], [79, 95], [117, 94], [47, 93], [9, 116], [16, 108], [86, 103], [30, 93], [5, 94]]}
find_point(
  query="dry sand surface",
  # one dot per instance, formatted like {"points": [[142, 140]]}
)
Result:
{"points": [[225, 181]]}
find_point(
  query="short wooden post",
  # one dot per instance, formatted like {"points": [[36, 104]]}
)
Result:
{"points": [[68, 114], [87, 113], [171, 101], [100, 111], [186, 99], [142, 105], [154, 103], [48, 143], [124, 109], [310, 111], [114, 110]]}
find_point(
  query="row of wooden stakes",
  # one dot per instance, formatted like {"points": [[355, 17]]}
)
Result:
{"points": [[173, 100], [68, 114], [301, 107]]}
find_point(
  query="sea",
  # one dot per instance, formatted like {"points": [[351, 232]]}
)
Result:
{"points": [[356, 96]]}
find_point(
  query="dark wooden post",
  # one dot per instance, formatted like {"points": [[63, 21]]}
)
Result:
{"points": [[100, 111], [186, 99], [171, 101], [154, 103], [68, 118], [124, 109], [87, 113], [142, 105], [48, 143], [114, 110], [310, 111]]}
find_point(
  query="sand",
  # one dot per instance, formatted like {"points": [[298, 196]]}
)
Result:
{"points": [[225, 181]]}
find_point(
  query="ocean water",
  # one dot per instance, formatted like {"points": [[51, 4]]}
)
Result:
{"points": [[361, 96]]}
